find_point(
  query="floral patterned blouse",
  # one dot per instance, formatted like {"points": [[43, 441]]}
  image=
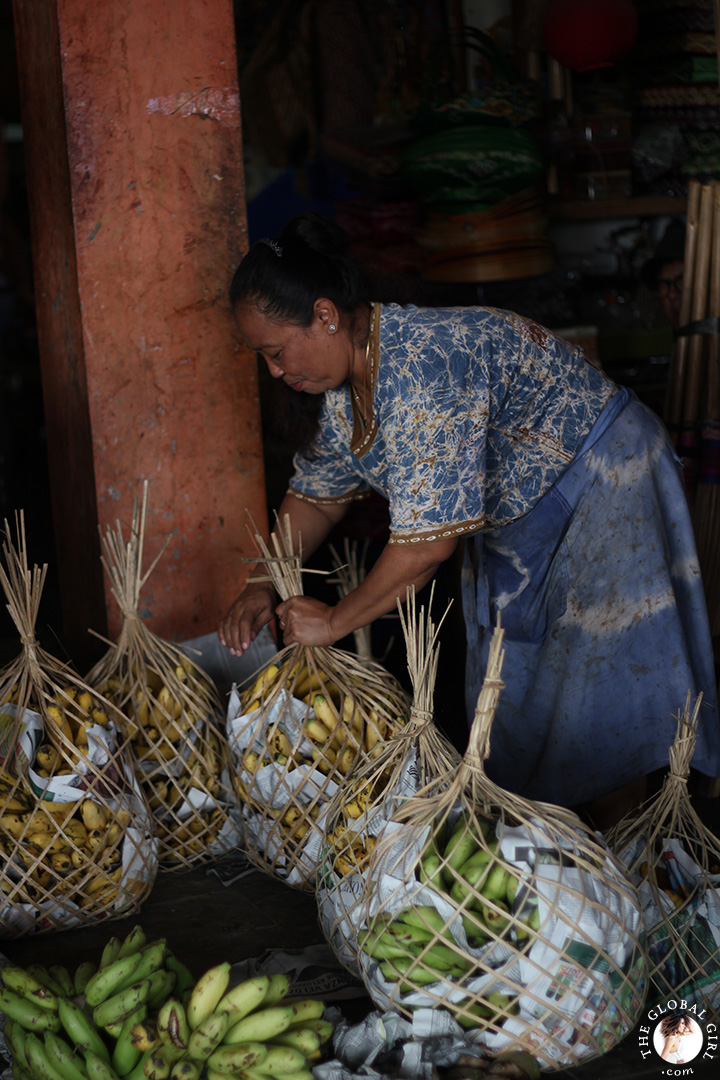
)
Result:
{"points": [[475, 413]]}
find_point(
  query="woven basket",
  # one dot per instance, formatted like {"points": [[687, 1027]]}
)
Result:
{"points": [[417, 758], [503, 919], [675, 861], [76, 837], [297, 730], [173, 718]]}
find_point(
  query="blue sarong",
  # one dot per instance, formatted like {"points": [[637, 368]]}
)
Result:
{"points": [[600, 597]]}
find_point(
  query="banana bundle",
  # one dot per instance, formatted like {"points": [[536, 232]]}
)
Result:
{"points": [[305, 722], [508, 915], [76, 838], [417, 757], [139, 1013], [674, 860], [172, 716]]}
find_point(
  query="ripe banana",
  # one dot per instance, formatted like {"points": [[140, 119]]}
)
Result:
{"points": [[207, 1035], [278, 986], [172, 1023], [246, 996], [186, 1069], [207, 994], [144, 1036], [259, 1026], [235, 1059]]}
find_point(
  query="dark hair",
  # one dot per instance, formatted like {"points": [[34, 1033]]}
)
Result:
{"points": [[284, 276], [671, 1024]]}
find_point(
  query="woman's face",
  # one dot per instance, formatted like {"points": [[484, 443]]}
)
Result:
{"points": [[313, 358]]}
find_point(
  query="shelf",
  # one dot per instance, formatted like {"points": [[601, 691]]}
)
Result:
{"points": [[591, 210]]}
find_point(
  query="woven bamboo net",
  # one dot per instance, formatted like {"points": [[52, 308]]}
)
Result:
{"points": [[172, 715], [506, 917], [297, 730], [675, 861], [76, 838], [419, 757]]}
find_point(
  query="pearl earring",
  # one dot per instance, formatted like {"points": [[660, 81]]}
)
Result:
{"points": [[332, 327]]}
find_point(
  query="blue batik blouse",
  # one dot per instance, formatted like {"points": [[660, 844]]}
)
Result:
{"points": [[475, 413]]}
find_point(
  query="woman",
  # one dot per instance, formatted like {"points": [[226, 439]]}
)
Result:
{"points": [[478, 424]]}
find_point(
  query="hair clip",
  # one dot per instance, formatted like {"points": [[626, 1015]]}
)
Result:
{"points": [[273, 245]]}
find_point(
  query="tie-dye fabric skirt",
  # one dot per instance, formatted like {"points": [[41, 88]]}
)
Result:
{"points": [[599, 593]]}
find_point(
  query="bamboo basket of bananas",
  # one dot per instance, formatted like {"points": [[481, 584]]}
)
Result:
{"points": [[297, 730], [76, 837], [418, 757], [506, 920], [172, 715], [674, 860]]}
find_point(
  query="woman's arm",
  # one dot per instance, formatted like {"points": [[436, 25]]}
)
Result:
{"points": [[255, 606], [311, 622]]}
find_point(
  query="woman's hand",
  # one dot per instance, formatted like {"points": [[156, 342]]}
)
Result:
{"points": [[252, 610], [306, 621]]}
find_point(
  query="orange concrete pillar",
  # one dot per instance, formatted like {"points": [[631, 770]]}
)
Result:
{"points": [[133, 144]]}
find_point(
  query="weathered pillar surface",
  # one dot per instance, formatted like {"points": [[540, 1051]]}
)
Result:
{"points": [[134, 159]]}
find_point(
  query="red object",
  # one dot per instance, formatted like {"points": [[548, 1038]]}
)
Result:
{"points": [[586, 34]]}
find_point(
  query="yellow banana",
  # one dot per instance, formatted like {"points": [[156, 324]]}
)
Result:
{"points": [[264, 680], [59, 720], [346, 760], [94, 815]]}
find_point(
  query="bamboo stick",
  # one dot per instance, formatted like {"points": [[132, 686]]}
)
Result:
{"points": [[676, 382]]}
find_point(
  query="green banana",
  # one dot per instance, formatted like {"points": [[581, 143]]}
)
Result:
{"points": [[29, 1014], [278, 986], [116, 1009], [382, 945], [426, 917], [68, 1063], [125, 1054], [430, 871], [496, 917], [15, 1041], [208, 1035], [440, 958], [113, 1029], [461, 844], [83, 973], [98, 1068], [260, 1025], [20, 981], [185, 980], [162, 984], [395, 970], [471, 1015], [108, 980], [303, 1039], [207, 993], [138, 1073], [246, 996], [110, 952], [495, 885], [80, 1029], [41, 973], [471, 881], [134, 941], [38, 1062], [172, 1023], [513, 884], [60, 974], [151, 959], [234, 1059]]}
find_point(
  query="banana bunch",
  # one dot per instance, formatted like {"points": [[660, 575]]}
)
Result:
{"points": [[67, 718], [73, 849], [63, 1025], [465, 866], [249, 1029], [349, 848], [178, 752]]}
